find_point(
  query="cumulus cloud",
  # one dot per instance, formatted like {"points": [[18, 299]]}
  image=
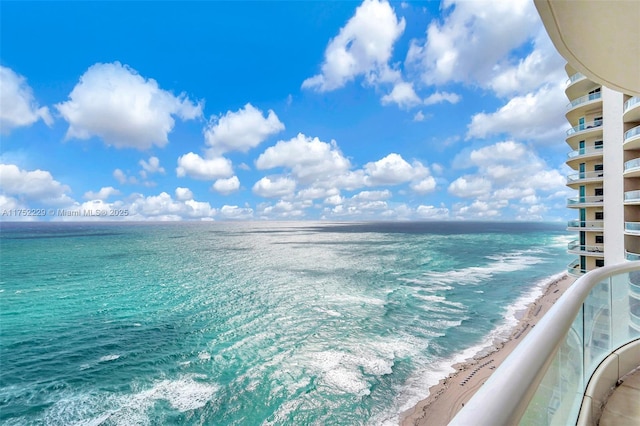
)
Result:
{"points": [[432, 212], [419, 116], [470, 186], [517, 119], [391, 170], [276, 187], [196, 167], [473, 37], [37, 185], [363, 47], [373, 195], [163, 207], [424, 186], [241, 130], [151, 166], [103, 194], [226, 186], [18, 107], [235, 212], [309, 159], [183, 194], [115, 103], [403, 95], [438, 97]]}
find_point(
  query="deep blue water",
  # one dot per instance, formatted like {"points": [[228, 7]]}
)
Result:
{"points": [[252, 323]]}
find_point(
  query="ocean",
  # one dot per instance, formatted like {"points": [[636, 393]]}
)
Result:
{"points": [[267, 323]]}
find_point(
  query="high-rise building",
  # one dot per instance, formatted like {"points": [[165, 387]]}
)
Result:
{"points": [[604, 141]]}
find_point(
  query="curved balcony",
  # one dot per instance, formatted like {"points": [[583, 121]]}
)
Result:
{"points": [[632, 228], [585, 177], [591, 201], [585, 225], [586, 250], [634, 289], [631, 139], [575, 77], [574, 270], [583, 154], [552, 376], [631, 110], [630, 256], [577, 107], [578, 84], [632, 197], [632, 168]]}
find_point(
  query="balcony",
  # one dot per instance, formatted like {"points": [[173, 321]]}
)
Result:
{"points": [[586, 250], [631, 139], [577, 76], [590, 201], [555, 375], [631, 110], [585, 177], [584, 154], [630, 256], [632, 228], [632, 197], [583, 225], [574, 270], [583, 129], [632, 168], [577, 107]]}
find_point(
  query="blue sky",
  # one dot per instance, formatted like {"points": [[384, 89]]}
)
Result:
{"points": [[282, 110]]}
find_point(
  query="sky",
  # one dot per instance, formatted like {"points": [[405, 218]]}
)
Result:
{"points": [[277, 110]]}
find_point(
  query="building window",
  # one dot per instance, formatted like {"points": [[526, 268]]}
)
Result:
{"points": [[599, 239], [599, 192], [599, 215], [599, 263], [597, 144]]}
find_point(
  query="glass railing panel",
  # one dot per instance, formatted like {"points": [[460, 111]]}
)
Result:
{"points": [[632, 226], [631, 133], [587, 224], [584, 126], [631, 256], [585, 151], [632, 195], [631, 102], [597, 326], [586, 98], [632, 164], [575, 77], [589, 199]]}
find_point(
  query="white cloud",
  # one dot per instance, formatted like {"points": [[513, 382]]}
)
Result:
{"points": [[309, 159], [362, 47], [163, 207], [37, 185], [390, 170], [373, 195], [470, 186], [183, 194], [403, 95], [334, 200], [150, 167], [419, 116], [432, 212], [473, 37], [226, 186], [113, 102], [424, 186], [18, 107], [438, 97], [103, 194], [196, 167], [272, 188], [241, 130], [535, 116], [235, 212]]}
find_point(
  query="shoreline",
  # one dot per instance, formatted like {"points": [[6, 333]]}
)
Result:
{"points": [[448, 396]]}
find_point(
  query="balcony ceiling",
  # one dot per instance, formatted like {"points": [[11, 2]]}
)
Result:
{"points": [[598, 38]]}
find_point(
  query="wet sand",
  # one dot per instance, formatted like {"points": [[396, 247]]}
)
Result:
{"points": [[449, 395]]}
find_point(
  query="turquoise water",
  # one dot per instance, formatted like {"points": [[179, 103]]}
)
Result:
{"points": [[252, 323]]}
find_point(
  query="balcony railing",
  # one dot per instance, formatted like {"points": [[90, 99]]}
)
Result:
{"points": [[632, 227], [598, 175], [575, 77], [574, 269], [585, 151], [631, 133], [593, 225], [631, 102], [584, 126], [583, 99], [632, 196], [575, 246], [544, 379], [589, 200], [631, 256], [632, 165]]}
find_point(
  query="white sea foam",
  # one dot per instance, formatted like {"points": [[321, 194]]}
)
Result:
{"points": [[110, 357], [204, 356]]}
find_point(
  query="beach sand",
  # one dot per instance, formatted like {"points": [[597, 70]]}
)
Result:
{"points": [[449, 395]]}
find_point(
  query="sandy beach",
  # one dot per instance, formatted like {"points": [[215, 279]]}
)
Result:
{"points": [[449, 395]]}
